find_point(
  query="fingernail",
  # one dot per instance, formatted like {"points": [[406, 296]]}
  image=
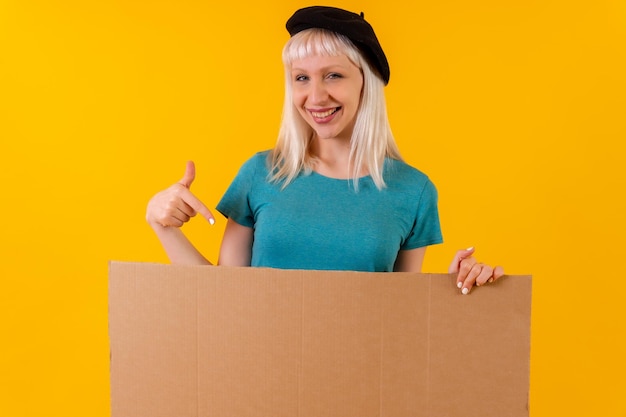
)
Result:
{"points": [[465, 291], [212, 221], [470, 248], [459, 285], [490, 279]]}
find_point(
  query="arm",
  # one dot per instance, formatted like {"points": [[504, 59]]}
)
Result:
{"points": [[410, 260], [178, 248], [236, 249], [168, 210]]}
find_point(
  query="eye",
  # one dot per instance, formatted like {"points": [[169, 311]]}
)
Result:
{"points": [[334, 75], [301, 77]]}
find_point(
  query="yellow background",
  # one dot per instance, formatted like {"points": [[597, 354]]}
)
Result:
{"points": [[516, 110]]}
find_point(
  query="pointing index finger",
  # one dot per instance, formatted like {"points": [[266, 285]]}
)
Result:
{"points": [[194, 202], [188, 197]]}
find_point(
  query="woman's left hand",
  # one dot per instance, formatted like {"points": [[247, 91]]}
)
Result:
{"points": [[470, 272]]}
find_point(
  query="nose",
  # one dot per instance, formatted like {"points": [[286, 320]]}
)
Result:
{"points": [[317, 93]]}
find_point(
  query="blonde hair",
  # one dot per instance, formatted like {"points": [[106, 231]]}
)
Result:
{"points": [[371, 140]]}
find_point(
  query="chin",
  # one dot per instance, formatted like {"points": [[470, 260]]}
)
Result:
{"points": [[327, 134]]}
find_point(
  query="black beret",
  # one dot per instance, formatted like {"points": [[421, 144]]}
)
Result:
{"points": [[351, 25]]}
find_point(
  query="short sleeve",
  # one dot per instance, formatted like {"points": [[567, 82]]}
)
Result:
{"points": [[427, 229], [235, 203]]}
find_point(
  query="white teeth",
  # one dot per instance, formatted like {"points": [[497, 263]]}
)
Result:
{"points": [[323, 114]]}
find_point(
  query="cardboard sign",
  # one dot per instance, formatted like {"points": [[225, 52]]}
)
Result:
{"points": [[253, 342]]}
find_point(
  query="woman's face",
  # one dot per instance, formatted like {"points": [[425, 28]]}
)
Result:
{"points": [[327, 92]]}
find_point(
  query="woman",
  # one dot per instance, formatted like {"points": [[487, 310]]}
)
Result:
{"points": [[334, 192]]}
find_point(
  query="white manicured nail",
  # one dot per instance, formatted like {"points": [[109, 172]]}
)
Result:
{"points": [[459, 285], [212, 221], [465, 291]]}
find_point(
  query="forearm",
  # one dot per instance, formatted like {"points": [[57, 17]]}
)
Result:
{"points": [[178, 248]]}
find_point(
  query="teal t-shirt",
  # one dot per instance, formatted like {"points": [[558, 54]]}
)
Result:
{"points": [[323, 223]]}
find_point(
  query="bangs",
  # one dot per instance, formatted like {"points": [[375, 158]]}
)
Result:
{"points": [[319, 42]]}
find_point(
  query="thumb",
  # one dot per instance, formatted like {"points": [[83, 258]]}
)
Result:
{"points": [[458, 257], [190, 175]]}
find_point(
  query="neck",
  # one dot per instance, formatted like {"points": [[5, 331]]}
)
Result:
{"points": [[333, 158]]}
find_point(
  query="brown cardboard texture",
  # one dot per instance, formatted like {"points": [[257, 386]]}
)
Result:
{"points": [[225, 342]]}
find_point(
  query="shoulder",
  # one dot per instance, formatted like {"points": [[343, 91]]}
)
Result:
{"points": [[255, 164], [259, 159], [400, 173]]}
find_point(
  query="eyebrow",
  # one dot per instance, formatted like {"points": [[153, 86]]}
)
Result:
{"points": [[323, 69]]}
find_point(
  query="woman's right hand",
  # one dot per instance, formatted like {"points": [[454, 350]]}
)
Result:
{"points": [[175, 205]]}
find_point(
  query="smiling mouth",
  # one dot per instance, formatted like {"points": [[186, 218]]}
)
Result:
{"points": [[324, 114]]}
